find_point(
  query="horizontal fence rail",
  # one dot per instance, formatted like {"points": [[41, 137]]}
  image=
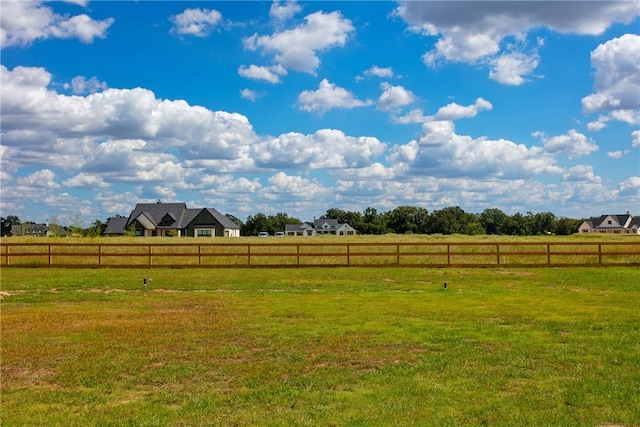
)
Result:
{"points": [[297, 255]]}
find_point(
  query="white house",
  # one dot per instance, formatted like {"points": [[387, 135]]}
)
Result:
{"points": [[320, 227], [612, 224]]}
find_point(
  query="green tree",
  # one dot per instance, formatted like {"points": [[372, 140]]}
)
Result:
{"points": [[517, 225], [372, 222], [278, 221], [96, 228], [451, 220], [254, 224], [474, 228], [237, 221], [494, 221], [567, 226], [271, 224], [408, 219], [543, 223]]}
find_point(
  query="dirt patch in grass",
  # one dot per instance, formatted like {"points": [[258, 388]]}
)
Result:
{"points": [[513, 272], [5, 294], [19, 375]]}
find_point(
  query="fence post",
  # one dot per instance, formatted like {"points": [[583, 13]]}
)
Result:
{"points": [[298, 255], [498, 254], [49, 256], [398, 255], [348, 254], [150, 260], [6, 260], [249, 254], [548, 254], [599, 254], [99, 255], [448, 255], [199, 255]]}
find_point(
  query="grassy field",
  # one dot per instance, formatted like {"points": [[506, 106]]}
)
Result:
{"points": [[345, 346]]}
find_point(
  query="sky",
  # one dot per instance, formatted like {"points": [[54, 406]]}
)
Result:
{"points": [[298, 107]]}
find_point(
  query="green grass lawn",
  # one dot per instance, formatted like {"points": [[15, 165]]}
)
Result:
{"points": [[343, 346]]}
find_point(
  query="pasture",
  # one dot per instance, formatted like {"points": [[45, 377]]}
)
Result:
{"points": [[321, 346]]}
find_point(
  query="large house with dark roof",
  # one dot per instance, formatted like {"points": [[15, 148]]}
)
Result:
{"points": [[612, 224], [172, 219]]}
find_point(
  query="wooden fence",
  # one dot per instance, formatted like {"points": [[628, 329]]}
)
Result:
{"points": [[297, 255]]}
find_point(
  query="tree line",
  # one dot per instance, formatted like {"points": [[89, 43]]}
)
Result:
{"points": [[416, 220], [401, 220]]}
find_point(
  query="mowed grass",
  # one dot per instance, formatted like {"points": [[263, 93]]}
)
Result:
{"points": [[341, 346]]}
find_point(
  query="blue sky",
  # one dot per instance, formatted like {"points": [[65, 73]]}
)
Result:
{"points": [[298, 107]]}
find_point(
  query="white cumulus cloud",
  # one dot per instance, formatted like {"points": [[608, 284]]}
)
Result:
{"points": [[82, 86], [195, 22], [281, 11], [283, 186], [297, 48], [249, 94], [455, 111], [393, 97], [440, 151], [23, 22], [327, 97], [469, 31], [617, 79], [573, 143], [512, 68], [86, 180], [384, 72], [326, 148], [581, 173], [269, 74]]}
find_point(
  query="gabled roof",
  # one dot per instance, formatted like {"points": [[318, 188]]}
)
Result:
{"points": [[319, 223], [224, 220], [116, 225], [183, 216], [297, 227], [620, 219], [191, 214], [156, 211], [29, 229]]}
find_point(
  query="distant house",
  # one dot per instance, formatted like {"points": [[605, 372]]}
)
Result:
{"points": [[320, 227], [38, 230], [612, 224], [304, 229], [172, 219]]}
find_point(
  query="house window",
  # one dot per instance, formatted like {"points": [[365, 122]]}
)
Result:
{"points": [[205, 216], [204, 233], [609, 222]]}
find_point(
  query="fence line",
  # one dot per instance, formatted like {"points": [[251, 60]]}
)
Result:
{"points": [[303, 254]]}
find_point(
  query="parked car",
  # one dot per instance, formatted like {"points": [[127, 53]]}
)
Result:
{"points": [[279, 234], [263, 234]]}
